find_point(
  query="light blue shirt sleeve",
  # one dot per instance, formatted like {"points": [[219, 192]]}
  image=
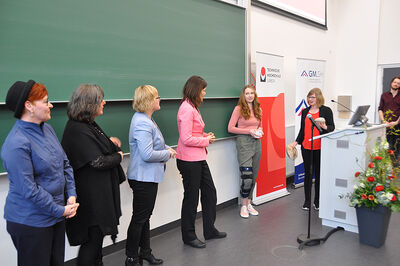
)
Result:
{"points": [[143, 133]]}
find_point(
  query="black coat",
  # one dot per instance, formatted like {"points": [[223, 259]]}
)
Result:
{"points": [[325, 112], [97, 190]]}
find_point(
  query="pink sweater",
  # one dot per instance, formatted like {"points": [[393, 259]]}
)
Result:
{"points": [[192, 141], [239, 125]]}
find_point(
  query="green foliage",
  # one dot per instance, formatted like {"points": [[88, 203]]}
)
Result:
{"points": [[390, 117]]}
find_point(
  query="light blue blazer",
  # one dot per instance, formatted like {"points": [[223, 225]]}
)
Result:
{"points": [[148, 150]]}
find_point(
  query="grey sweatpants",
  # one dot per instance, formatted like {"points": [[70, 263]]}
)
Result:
{"points": [[249, 155]]}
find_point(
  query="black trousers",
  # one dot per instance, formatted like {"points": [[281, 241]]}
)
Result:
{"points": [[308, 175], [38, 246], [196, 176], [144, 198], [90, 252]]}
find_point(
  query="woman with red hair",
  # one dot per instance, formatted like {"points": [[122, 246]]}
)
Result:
{"points": [[42, 188], [246, 122]]}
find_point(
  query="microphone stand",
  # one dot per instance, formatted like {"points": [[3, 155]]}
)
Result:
{"points": [[307, 240], [342, 105]]}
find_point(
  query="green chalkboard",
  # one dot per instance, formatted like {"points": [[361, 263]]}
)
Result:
{"points": [[117, 117], [121, 44]]}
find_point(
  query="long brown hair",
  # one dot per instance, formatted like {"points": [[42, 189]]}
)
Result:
{"points": [[192, 89], [244, 107]]}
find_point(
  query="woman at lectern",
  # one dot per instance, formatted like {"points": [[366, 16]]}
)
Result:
{"points": [[246, 122], [323, 116]]}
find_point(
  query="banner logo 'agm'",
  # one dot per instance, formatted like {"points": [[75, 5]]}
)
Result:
{"points": [[311, 74], [263, 77]]}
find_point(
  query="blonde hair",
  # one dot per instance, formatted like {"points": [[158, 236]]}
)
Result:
{"points": [[318, 95], [244, 107], [144, 97]]}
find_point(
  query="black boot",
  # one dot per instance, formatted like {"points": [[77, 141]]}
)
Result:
{"points": [[150, 259], [132, 261]]}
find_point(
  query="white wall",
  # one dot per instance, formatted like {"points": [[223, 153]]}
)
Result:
{"points": [[349, 46], [356, 48], [389, 32], [275, 34]]}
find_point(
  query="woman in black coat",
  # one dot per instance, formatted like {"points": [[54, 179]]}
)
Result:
{"points": [[96, 160], [324, 117]]}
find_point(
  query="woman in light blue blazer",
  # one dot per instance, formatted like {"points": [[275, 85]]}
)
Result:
{"points": [[148, 157]]}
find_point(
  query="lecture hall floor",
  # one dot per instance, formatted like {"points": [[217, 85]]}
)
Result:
{"points": [[270, 239]]}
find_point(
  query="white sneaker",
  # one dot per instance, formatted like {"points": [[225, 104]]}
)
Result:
{"points": [[243, 212], [251, 210]]}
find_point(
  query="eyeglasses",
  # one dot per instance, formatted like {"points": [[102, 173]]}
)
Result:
{"points": [[311, 97]]}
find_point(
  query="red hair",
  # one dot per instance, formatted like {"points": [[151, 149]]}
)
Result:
{"points": [[244, 107], [38, 92]]}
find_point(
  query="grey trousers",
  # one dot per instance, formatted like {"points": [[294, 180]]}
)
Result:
{"points": [[249, 155]]}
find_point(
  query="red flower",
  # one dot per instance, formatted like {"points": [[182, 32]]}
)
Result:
{"points": [[371, 165], [390, 152], [378, 188], [364, 197], [356, 174], [370, 179], [394, 198], [371, 197], [390, 177], [377, 158]]}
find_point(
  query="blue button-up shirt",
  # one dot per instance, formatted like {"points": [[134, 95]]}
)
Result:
{"points": [[39, 173]]}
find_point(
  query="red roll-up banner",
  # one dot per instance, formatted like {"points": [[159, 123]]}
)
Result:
{"points": [[271, 178]]}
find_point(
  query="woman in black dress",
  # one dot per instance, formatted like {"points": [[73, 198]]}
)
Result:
{"points": [[96, 160]]}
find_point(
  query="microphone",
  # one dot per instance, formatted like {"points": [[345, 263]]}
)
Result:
{"points": [[342, 105], [309, 116]]}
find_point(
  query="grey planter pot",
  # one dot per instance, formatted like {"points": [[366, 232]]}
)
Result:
{"points": [[373, 225]]}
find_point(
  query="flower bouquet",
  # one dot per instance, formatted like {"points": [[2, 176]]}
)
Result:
{"points": [[377, 185], [376, 194]]}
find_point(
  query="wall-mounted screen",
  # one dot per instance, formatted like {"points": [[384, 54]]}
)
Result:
{"points": [[309, 11]]}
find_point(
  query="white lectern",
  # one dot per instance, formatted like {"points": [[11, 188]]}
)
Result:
{"points": [[343, 153]]}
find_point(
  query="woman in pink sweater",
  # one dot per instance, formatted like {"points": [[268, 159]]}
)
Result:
{"points": [[191, 161], [246, 121]]}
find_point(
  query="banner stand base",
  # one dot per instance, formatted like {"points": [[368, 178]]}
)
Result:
{"points": [[298, 185], [301, 184], [270, 196]]}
